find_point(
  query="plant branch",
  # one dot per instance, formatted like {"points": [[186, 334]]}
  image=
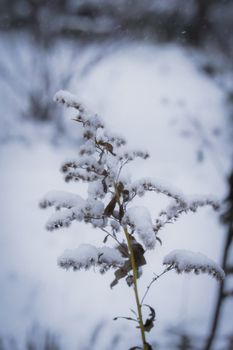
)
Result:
{"points": [[121, 167], [112, 236], [169, 268]]}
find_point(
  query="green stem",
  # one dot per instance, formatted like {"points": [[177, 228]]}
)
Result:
{"points": [[139, 306], [135, 287]]}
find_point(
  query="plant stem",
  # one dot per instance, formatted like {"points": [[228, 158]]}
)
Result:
{"points": [[135, 287], [139, 306]]}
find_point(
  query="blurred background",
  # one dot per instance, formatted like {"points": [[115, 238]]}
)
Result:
{"points": [[161, 74]]}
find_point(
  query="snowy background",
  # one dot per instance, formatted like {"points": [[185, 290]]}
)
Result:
{"points": [[158, 97]]}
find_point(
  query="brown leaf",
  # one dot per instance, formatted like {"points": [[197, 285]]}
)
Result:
{"points": [[111, 206], [149, 324], [123, 249], [120, 187], [121, 272], [107, 146], [138, 252]]}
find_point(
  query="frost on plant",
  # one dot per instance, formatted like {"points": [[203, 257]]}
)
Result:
{"points": [[87, 255], [109, 206], [186, 261]]}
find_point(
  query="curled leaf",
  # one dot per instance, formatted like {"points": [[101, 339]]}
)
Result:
{"points": [[159, 240], [149, 324], [111, 206]]}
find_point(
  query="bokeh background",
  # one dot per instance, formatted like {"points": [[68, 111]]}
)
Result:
{"points": [[161, 74]]}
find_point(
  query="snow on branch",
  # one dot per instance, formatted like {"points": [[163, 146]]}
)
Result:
{"points": [[96, 189], [87, 162], [139, 219], [90, 120], [89, 211], [187, 261], [140, 187], [116, 139], [64, 218], [128, 155], [104, 135], [61, 199], [67, 98], [81, 175], [174, 211], [86, 168], [87, 255]]}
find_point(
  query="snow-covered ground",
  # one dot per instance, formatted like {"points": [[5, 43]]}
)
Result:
{"points": [[158, 98]]}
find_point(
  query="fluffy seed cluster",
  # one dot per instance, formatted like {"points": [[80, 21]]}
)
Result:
{"points": [[187, 261], [87, 255], [175, 210]]}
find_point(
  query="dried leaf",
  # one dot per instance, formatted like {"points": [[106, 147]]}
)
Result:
{"points": [[123, 249], [126, 318], [107, 146], [138, 252], [159, 240], [121, 272], [120, 187], [149, 324], [105, 239], [111, 206]]}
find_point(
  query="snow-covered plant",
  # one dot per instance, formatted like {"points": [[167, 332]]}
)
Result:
{"points": [[109, 206]]}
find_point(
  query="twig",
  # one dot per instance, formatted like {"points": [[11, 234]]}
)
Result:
{"points": [[169, 268], [113, 237], [121, 167]]}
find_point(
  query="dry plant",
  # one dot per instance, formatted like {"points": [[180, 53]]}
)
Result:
{"points": [[109, 206]]}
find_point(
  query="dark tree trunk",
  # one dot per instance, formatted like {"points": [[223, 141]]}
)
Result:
{"points": [[221, 295]]}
